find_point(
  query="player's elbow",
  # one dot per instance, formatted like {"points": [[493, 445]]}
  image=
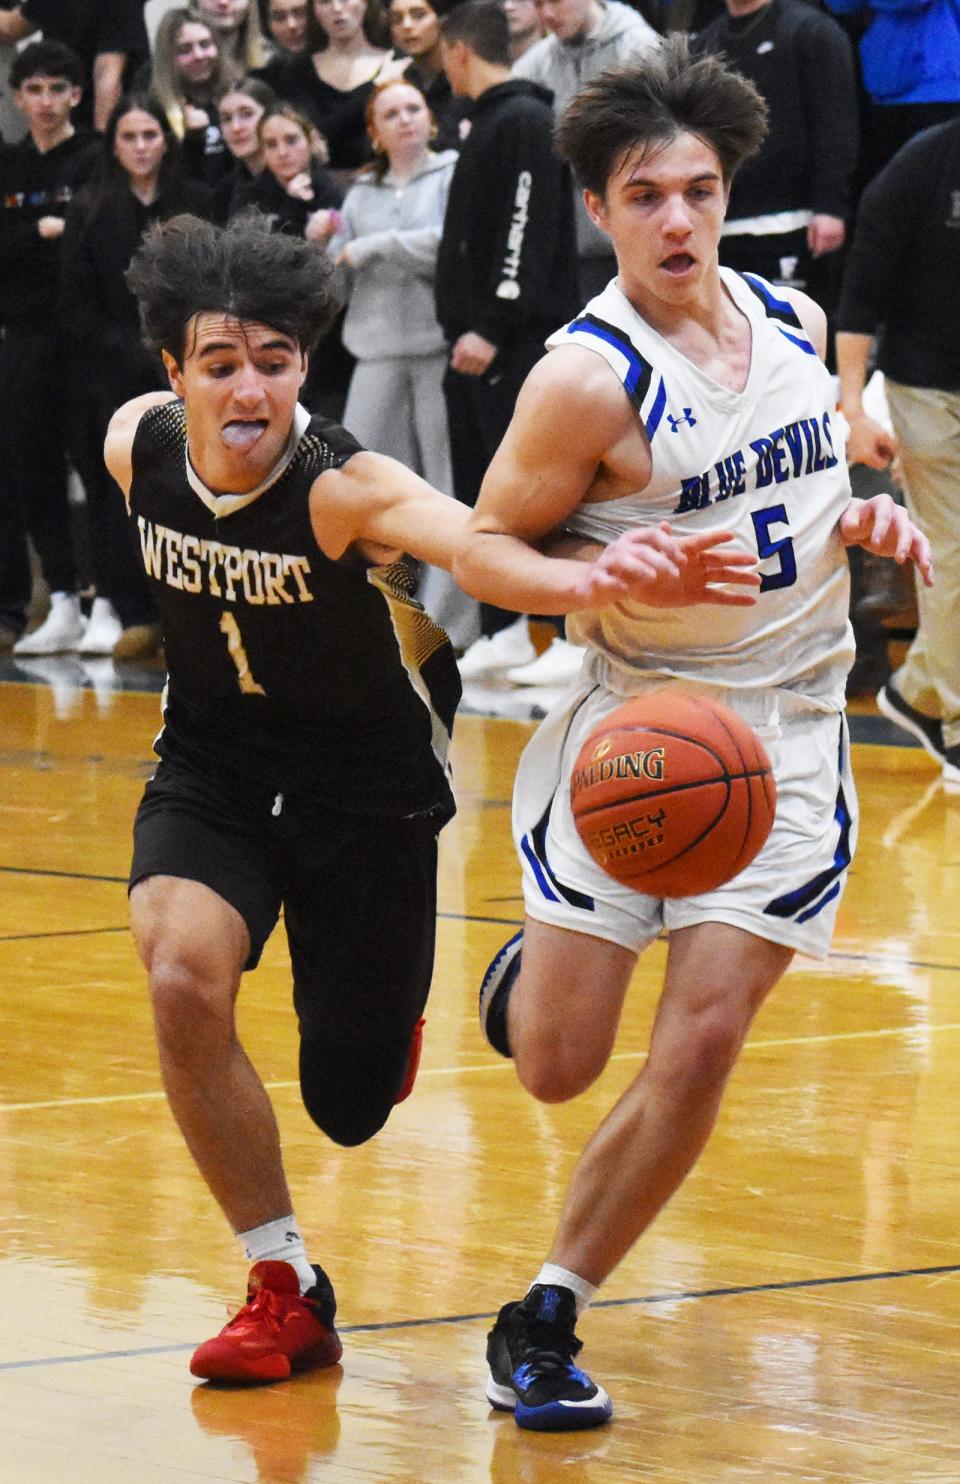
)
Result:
{"points": [[466, 565]]}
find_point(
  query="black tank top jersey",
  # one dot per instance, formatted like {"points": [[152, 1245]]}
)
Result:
{"points": [[286, 668]]}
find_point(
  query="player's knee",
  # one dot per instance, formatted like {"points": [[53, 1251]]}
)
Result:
{"points": [[553, 1072], [187, 1007], [349, 1092], [346, 1124], [710, 1048]]}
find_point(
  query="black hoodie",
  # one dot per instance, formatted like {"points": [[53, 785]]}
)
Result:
{"points": [[34, 185], [508, 255]]}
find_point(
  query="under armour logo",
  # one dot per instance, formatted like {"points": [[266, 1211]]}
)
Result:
{"points": [[676, 423]]}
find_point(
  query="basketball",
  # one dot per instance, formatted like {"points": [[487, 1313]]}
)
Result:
{"points": [[673, 794]]}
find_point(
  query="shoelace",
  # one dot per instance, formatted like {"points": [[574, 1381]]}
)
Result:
{"points": [[548, 1349], [265, 1304]]}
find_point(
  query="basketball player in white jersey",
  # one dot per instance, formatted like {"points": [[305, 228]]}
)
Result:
{"points": [[683, 393]]}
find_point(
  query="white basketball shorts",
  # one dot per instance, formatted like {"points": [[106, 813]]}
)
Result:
{"points": [[788, 894]]}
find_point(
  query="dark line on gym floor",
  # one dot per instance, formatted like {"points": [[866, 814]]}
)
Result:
{"points": [[786, 1285]]}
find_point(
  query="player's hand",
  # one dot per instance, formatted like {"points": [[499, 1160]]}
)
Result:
{"points": [[51, 226], [870, 443], [662, 570], [882, 526]]}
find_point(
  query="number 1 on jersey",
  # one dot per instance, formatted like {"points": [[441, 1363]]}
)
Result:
{"points": [[230, 627]]}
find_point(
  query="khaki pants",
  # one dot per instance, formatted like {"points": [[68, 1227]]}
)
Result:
{"points": [[927, 424]]}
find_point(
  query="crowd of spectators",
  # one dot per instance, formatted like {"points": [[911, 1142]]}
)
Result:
{"points": [[415, 151]]}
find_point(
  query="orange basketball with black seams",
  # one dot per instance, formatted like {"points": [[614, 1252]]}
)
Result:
{"points": [[673, 794]]}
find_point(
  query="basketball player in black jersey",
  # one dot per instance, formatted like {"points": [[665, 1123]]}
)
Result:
{"points": [[302, 756]]}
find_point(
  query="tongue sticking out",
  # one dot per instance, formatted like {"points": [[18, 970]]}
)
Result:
{"points": [[242, 435]]}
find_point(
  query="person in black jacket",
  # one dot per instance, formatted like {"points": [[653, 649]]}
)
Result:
{"points": [[506, 268], [138, 181], [38, 179], [789, 205], [109, 37], [903, 279], [294, 190], [240, 111]]}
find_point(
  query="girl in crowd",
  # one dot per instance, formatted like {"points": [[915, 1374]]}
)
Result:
{"points": [[295, 190], [415, 32], [299, 195], [241, 110], [236, 26], [288, 24], [188, 76], [332, 83], [138, 181], [387, 245]]}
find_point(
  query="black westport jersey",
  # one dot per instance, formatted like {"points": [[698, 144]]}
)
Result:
{"points": [[284, 667]]}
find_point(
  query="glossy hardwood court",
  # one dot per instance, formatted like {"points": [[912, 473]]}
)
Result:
{"points": [[794, 1315]]}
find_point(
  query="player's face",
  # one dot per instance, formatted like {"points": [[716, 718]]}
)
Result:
{"points": [[401, 121], [567, 19], [45, 102], [663, 212], [287, 21], [195, 52], [240, 117], [239, 382], [414, 27], [139, 144]]}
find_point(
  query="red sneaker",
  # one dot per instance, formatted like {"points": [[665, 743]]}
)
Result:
{"points": [[277, 1331], [413, 1062]]}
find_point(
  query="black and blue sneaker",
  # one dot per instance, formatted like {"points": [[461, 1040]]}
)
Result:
{"points": [[495, 990], [530, 1352]]}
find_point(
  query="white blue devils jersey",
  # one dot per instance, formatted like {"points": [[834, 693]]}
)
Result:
{"points": [[765, 463]]}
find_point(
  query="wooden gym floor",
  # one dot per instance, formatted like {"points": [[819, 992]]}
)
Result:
{"points": [[792, 1316]]}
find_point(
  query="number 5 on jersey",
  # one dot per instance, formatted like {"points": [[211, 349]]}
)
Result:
{"points": [[774, 515]]}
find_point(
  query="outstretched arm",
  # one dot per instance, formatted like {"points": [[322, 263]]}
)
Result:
{"points": [[570, 414], [381, 508]]}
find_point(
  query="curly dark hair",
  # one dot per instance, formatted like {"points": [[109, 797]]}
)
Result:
{"points": [[649, 102], [186, 266]]}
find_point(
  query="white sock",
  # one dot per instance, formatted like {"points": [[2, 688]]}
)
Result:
{"points": [[552, 1276], [279, 1241]]}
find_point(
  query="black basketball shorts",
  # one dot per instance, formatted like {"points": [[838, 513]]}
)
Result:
{"points": [[358, 892]]}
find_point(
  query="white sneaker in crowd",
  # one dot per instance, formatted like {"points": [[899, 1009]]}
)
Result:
{"points": [[103, 629], [61, 630], [500, 651], [559, 663]]}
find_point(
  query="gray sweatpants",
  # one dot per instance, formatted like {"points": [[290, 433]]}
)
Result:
{"points": [[395, 406]]}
